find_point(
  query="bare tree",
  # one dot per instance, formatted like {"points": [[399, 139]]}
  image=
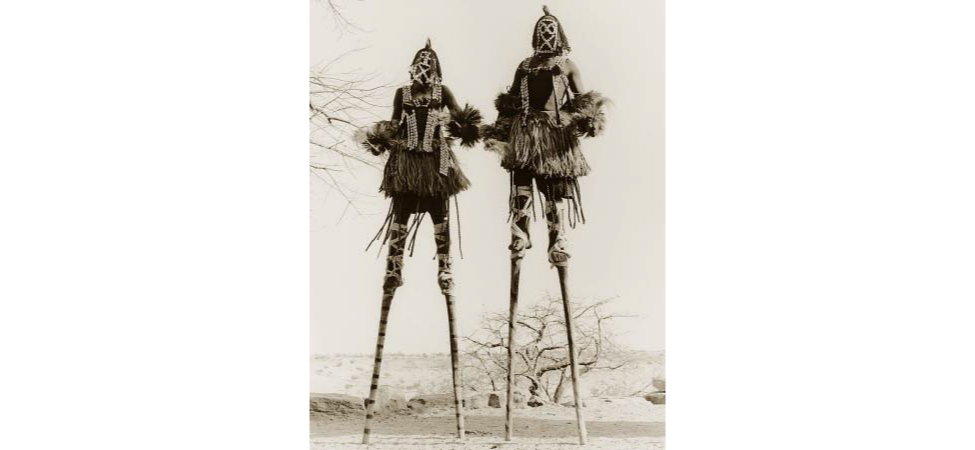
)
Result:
{"points": [[341, 102], [542, 357], [334, 10]]}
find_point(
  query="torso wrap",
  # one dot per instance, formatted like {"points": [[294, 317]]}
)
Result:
{"points": [[436, 117]]}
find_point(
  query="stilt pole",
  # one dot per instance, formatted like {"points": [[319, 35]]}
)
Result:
{"points": [[509, 420], [455, 367], [580, 421], [371, 401]]}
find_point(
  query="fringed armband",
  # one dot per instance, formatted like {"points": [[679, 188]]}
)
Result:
{"points": [[507, 104], [379, 137], [465, 125], [496, 135], [587, 113]]}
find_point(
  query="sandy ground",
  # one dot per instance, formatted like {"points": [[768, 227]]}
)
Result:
{"points": [[616, 417], [395, 442], [612, 423]]}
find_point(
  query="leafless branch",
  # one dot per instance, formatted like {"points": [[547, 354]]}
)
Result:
{"points": [[342, 23], [340, 104]]}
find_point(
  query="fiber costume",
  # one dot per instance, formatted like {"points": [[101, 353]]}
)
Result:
{"points": [[541, 119], [420, 176]]}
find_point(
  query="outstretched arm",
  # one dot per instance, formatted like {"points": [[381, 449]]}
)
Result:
{"points": [[515, 88], [398, 105], [575, 77], [449, 101]]}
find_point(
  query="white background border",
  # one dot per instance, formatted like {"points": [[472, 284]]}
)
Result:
{"points": [[155, 225], [820, 224]]}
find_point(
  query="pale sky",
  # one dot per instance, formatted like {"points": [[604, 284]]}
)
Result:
{"points": [[619, 49]]}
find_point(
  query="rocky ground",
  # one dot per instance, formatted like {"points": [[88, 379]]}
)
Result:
{"points": [[612, 423], [410, 416]]}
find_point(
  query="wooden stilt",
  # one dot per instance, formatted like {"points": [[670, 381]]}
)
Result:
{"points": [[580, 421], [455, 367], [509, 420], [374, 386]]}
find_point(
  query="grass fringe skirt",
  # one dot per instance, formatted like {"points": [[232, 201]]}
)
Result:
{"points": [[544, 146], [418, 173]]}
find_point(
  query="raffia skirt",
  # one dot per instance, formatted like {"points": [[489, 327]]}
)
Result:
{"points": [[544, 146], [414, 176], [547, 150]]}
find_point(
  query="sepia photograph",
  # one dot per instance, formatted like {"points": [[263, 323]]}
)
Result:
{"points": [[516, 222], [487, 224]]}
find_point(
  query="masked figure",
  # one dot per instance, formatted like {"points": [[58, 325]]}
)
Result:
{"points": [[541, 119], [420, 177]]}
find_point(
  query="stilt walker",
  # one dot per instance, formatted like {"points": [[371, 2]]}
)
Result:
{"points": [[540, 120], [421, 175]]}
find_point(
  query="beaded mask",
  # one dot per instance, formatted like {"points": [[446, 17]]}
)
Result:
{"points": [[549, 36], [424, 68], [547, 33]]}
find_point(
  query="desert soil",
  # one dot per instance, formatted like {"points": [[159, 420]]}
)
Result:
{"points": [[383, 442], [612, 423], [617, 416]]}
